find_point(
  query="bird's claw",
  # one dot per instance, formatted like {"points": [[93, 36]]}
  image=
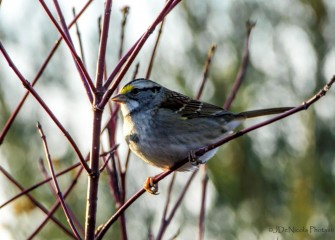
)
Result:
{"points": [[150, 186], [193, 158]]}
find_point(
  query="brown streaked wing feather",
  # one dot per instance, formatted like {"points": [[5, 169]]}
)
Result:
{"points": [[190, 108]]}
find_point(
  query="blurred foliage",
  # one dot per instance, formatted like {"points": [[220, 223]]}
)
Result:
{"points": [[279, 176]]}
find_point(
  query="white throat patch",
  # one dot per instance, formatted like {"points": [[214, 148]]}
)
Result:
{"points": [[128, 107]]}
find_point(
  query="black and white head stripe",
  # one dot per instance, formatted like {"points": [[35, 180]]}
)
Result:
{"points": [[140, 84]]}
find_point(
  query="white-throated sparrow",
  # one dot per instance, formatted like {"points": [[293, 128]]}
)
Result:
{"points": [[163, 127]]}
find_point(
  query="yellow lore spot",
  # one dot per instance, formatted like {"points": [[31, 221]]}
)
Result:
{"points": [[126, 89]]}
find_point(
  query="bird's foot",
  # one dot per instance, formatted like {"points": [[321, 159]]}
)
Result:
{"points": [[150, 186], [193, 158]]}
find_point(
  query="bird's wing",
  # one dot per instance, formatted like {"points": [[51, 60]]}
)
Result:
{"points": [[190, 108]]}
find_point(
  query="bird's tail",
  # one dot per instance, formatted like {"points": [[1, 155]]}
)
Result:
{"points": [[263, 112]]}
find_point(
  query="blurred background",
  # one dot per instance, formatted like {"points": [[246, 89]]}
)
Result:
{"points": [[277, 177]]}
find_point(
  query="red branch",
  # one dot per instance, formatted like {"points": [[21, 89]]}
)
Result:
{"points": [[85, 77], [57, 188], [38, 75], [28, 86], [243, 68]]}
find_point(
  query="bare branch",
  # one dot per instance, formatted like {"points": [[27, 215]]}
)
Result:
{"points": [[204, 181], [37, 203], [58, 191], [79, 39], [102, 49], [56, 206], [46, 175], [153, 54], [28, 86], [125, 12], [25, 191], [110, 222], [111, 151], [206, 70], [38, 75], [243, 67], [87, 81], [168, 197], [135, 71], [182, 194], [166, 221]]}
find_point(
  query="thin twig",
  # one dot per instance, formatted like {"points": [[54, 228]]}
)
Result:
{"points": [[86, 79], [116, 181], [99, 27], [79, 39], [56, 206], [112, 150], [168, 197], [37, 203], [125, 12], [37, 77], [27, 190], [206, 70], [111, 119], [87, 82], [135, 71], [117, 190], [110, 222], [59, 193], [153, 54], [46, 175], [203, 150], [119, 65], [102, 49], [102, 168], [167, 203], [175, 207], [120, 198], [127, 161], [123, 176], [62, 21], [179, 200], [243, 68], [28, 86], [120, 201], [204, 181]]}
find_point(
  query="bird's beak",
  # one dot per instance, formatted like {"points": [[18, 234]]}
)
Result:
{"points": [[120, 98]]}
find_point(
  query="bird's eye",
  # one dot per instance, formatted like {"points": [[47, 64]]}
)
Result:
{"points": [[135, 91], [154, 89]]}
